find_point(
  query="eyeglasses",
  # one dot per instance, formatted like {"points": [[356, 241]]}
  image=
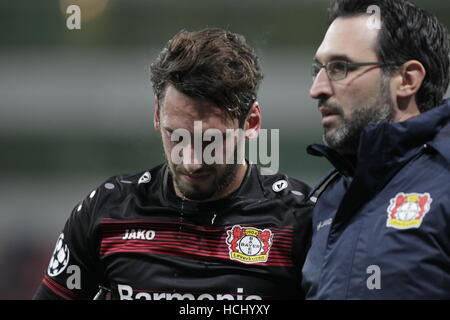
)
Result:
{"points": [[337, 70]]}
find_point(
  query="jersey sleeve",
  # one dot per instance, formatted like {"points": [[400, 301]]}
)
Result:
{"points": [[73, 271], [297, 198]]}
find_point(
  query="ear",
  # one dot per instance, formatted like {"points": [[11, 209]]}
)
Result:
{"points": [[409, 80], [253, 121], [156, 123]]}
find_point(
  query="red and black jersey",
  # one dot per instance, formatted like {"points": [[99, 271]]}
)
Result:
{"points": [[134, 236]]}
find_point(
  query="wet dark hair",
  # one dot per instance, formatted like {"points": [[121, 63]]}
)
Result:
{"points": [[212, 64], [407, 33]]}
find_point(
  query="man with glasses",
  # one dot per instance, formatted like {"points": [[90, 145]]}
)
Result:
{"points": [[381, 224]]}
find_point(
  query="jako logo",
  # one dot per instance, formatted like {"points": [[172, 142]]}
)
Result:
{"points": [[140, 234]]}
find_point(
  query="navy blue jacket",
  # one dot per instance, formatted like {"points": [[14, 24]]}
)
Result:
{"points": [[381, 227]]}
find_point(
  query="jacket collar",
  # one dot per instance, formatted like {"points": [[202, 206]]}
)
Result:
{"points": [[384, 149], [395, 141], [391, 143]]}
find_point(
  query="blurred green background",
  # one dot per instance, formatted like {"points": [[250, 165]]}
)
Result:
{"points": [[76, 105]]}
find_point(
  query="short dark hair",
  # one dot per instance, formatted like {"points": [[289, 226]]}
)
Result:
{"points": [[213, 64], [407, 33]]}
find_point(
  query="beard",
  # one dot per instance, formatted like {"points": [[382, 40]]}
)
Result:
{"points": [[345, 139], [201, 192], [223, 176]]}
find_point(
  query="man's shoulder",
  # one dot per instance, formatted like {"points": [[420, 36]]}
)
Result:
{"points": [[288, 195], [113, 191], [131, 181], [279, 184], [442, 142]]}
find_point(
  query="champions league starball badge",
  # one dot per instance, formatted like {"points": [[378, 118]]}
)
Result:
{"points": [[60, 257]]}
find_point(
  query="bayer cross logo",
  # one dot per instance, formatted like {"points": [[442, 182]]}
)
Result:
{"points": [[60, 257], [250, 245]]}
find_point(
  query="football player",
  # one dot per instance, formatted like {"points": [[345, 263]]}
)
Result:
{"points": [[191, 228]]}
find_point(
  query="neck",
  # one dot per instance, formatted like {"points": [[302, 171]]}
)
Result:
{"points": [[406, 109]]}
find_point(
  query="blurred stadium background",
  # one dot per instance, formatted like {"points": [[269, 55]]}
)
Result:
{"points": [[76, 105]]}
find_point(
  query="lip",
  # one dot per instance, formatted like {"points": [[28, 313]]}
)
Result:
{"points": [[196, 177], [329, 118], [328, 115]]}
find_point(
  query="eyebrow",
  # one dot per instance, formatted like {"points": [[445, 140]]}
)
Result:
{"points": [[170, 131], [336, 57]]}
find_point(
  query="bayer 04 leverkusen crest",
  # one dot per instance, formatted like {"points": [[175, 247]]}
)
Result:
{"points": [[407, 210], [249, 245]]}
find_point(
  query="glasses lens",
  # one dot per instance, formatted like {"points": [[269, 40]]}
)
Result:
{"points": [[337, 70], [315, 69]]}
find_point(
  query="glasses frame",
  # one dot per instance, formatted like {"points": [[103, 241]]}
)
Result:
{"points": [[347, 66]]}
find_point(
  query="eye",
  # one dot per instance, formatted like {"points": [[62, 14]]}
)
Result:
{"points": [[168, 133], [215, 138], [337, 67], [208, 141], [172, 137]]}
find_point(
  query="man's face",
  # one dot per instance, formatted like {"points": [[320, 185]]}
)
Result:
{"points": [[364, 96], [192, 178]]}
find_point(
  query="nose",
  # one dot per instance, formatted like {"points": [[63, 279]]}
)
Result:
{"points": [[195, 163], [321, 85]]}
